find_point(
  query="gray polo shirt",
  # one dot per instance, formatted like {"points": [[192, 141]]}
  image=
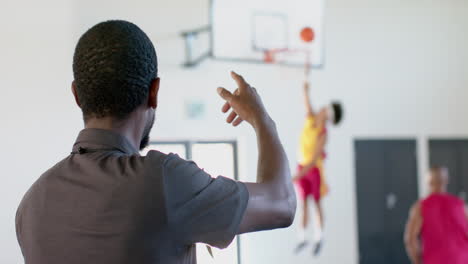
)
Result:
{"points": [[107, 204]]}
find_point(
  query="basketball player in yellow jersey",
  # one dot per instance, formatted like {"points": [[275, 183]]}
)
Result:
{"points": [[310, 177]]}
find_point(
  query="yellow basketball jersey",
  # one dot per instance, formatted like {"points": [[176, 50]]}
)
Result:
{"points": [[309, 136], [308, 141]]}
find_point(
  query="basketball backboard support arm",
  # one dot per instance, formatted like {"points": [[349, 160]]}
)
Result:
{"points": [[190, 37]]}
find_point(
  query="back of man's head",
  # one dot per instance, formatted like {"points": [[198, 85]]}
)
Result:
{"points": [[438, 178], [113, 66]]}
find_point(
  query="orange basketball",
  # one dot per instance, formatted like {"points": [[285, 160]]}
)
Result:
{"points": [[307, 34]]}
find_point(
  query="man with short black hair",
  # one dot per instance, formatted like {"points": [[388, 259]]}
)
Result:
{"points": [[104, 203]]}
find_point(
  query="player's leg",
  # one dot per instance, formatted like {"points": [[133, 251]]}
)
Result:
{"points": [[318, 232], [305, 214], [318, 212], [303, 226], [303, 190]]}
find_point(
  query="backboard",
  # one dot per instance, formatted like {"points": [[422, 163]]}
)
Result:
{"points": [[243, 30]]}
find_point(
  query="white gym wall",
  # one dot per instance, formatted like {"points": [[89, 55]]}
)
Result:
{"points": [[399, 67]]}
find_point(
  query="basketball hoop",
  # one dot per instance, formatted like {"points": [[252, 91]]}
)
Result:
{"points": [[307, 35], [270, 55]]}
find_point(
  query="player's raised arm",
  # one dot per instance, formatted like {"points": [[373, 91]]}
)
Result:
{"points": [[272, 200], [307, 103]]}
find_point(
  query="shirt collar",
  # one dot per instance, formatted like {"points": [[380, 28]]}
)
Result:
{"points": [[101, 139]]}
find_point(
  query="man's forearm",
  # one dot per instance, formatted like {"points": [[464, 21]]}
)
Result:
{"points": [[413, 252], [273, 167], [272, 161]]}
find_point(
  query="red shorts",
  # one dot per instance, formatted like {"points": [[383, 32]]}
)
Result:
{"points": [[309, 184]]}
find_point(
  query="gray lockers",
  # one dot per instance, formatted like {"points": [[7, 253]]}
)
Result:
{"points": [[453, 154], [386, 181]]}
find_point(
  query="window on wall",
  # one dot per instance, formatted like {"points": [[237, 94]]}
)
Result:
{"points": [[178, 148], [216, 158]]}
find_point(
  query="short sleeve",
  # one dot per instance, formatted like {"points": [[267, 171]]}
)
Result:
{"points": [[201, 208]]}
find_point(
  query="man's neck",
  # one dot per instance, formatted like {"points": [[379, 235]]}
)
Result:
{"points": [[126, 128], [438, 190]]}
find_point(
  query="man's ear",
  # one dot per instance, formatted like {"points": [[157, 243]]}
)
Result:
{"points": [[75, 94], [153, 93]]}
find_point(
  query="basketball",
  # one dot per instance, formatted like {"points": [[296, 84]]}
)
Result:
{"points": [[307, 34]]}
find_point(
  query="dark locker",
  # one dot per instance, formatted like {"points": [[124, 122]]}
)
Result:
{"points": [[453, 154], [386, 178]]}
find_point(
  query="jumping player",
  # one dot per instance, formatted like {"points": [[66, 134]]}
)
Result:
{"points": [[309, 179]]}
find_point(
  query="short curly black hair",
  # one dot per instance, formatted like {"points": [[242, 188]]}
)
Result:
{"points": [[113, 66], [338, 112]]}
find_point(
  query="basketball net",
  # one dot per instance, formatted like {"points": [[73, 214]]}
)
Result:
{"points": [[269, 56]]}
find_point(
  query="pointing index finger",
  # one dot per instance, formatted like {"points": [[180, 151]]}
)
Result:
{"points": [[239, 80]]}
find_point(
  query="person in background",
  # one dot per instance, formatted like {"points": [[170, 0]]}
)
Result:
{"points": [[437, 228], [310, 177]]}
